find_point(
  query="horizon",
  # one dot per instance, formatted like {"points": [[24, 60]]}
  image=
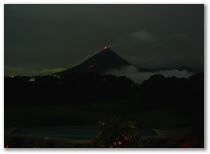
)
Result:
{"points": [[129, 70], [40, 40]]}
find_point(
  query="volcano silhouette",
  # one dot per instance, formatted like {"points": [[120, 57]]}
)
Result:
{"points": [[101, 62]]}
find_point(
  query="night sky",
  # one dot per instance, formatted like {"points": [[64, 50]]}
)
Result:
{"points": [[41, 39]]}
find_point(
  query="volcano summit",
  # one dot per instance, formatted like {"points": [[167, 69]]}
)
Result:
{"points": [[101, 62]]}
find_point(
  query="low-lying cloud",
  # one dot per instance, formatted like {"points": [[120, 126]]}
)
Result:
{"points": [[138, 77]]}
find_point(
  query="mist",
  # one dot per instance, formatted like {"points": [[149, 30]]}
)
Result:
{"points": [[138, 76]]}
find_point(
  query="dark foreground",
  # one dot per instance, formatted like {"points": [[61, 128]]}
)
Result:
{"points": [[127, 136], [160, 113], [101, 125]]}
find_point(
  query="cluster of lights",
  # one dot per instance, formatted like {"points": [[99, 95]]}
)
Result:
{"points": [[119, 141]]}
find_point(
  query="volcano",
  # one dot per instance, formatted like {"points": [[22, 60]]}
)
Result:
{"points": [[101, 62]]}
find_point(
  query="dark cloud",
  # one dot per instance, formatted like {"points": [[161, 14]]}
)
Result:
{"points": [[58, 36], [181, 36]]}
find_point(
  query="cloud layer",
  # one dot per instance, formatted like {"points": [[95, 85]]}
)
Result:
{"points": [[138, 77]]}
